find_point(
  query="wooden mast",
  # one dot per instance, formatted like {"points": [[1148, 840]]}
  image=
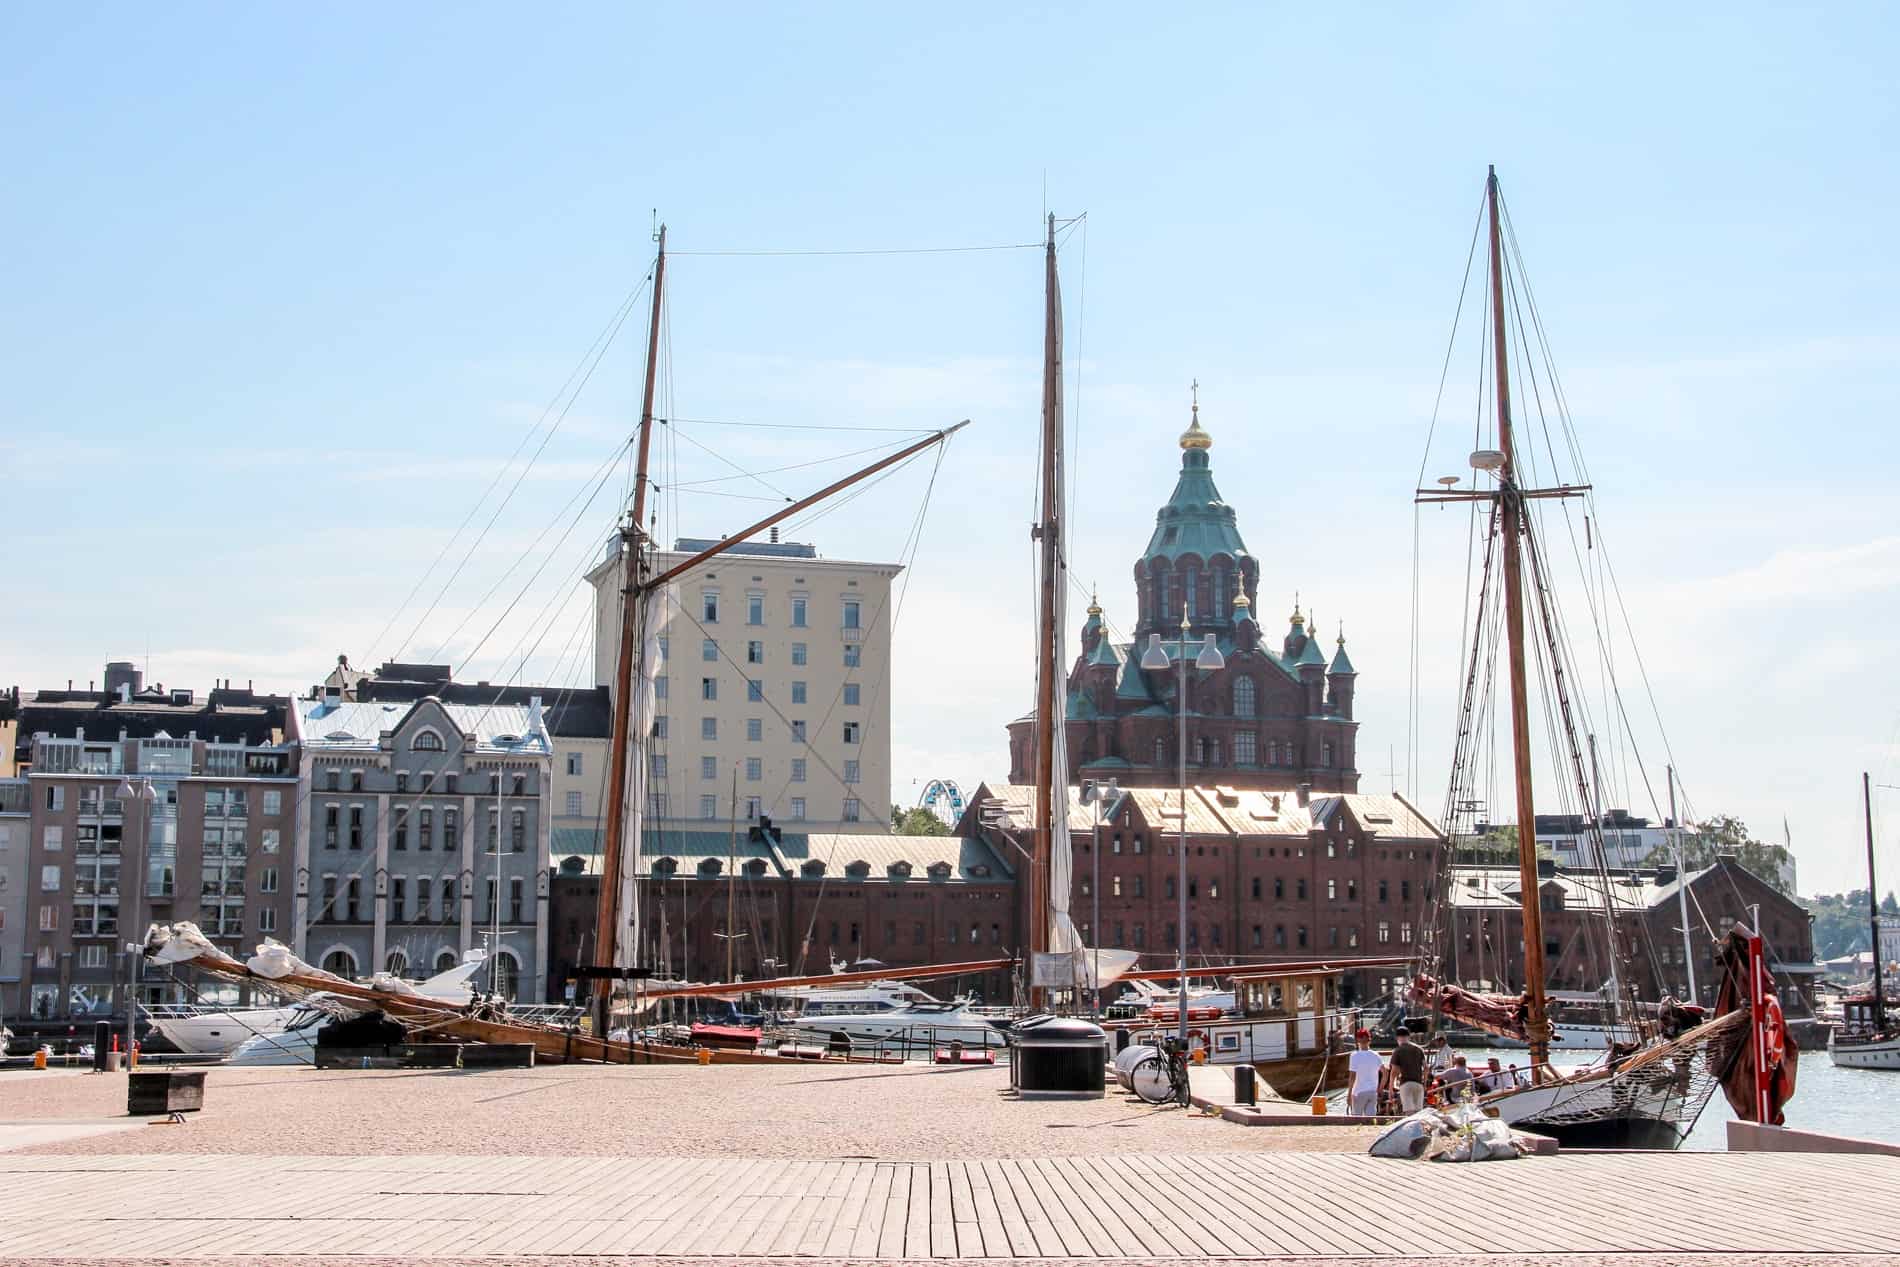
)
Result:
{"points": [[632, 561], [1048, 533], [1873, 903], [1512, 505]]}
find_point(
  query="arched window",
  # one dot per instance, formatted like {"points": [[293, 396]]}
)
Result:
{"points": [[397, 964], [340, 962], [1243, 697], [444, 959], [1161, 750], [449, 914], [426, 741], [1223, 590], [1191, 589], [507, 972]]}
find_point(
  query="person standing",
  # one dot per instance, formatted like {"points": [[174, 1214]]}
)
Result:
{"points": [[1408, 1072], [1366, 1070]]}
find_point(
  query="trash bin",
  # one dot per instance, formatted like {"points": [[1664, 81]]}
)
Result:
{"points": [[101, 1045], [1243, 1084], [1059, 1056]]}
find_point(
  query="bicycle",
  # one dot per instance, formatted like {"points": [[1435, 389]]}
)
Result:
{"points": [[1162, 1077]]}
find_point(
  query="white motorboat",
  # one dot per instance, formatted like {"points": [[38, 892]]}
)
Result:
{"points": [[217, 1031], [911, 1026], [870, 998], [1866, 1039]]}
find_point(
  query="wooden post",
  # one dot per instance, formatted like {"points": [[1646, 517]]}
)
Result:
{"points": [[1048, 532], [1512, 506]]}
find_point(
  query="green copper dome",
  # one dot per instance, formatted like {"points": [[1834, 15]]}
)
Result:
{"points": [[1195, 520]]}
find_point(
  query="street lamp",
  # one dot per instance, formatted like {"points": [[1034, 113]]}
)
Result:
{"points": [[1097, 794], [1209, 659], [140, 792]]}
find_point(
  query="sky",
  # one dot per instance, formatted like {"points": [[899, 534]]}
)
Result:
{"points": [[290, 291]]}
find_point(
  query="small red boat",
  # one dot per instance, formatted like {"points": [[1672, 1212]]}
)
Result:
{"points": [[727, 1037]]}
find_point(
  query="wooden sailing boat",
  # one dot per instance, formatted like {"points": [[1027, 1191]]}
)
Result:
{"points": [[1646, 1096], [1867, 1039]]}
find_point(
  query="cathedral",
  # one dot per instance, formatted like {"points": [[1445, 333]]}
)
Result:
{"points": [[1275, 717]]}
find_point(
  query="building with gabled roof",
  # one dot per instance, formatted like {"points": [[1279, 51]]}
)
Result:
{"points": [[1278, 715]]}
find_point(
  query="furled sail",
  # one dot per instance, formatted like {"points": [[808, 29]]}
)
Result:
{"points": [[655, 611]]}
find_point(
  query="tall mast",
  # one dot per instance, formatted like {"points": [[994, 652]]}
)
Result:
{"points": [[732, 867], [1682, 886], [1048, 532], [632, 563], [1873, 902], [1512, 505]]}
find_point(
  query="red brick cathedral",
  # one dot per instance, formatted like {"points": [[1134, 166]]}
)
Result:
{"points": [[1275, 717]]}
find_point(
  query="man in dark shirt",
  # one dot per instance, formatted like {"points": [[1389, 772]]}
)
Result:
{"points": [[1408, 1071]]}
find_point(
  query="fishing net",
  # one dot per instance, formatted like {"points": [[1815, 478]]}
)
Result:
{"points": [[1665, 1088]]}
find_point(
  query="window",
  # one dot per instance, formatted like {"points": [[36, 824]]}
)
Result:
{"points": [[1244, 751], [1384, 932], [400, 832], [659, 726], [851, 772], [49, 920], [451, 832], [656, 762], [356, 780], [49, 878], [709, 651], [53, 839], [798, 654], [398, 898], [1141, 886], [851, 618], [754, 769], [1243, 697], [754, 729], [1114, 886], [1161, 751], [574, 764], [55, 796], [798, 692], [1405, 933], [852, 655], [709, 805], [267, 920], [1326, 753], [709, 767], [798, 731], [425, 741], [851, 690], [754, 690], [752, 808], [755, 609], [709, 606], [333, 780], [659, 687], [518, 831], [494, 831], [851, 732], [356, 826], [798, 616], [448, 900], [1301, 934], [329, 826], [656, 804], [755, 653], [709, 728], [273, 802], [1279, 888], [1405, 890], [798, 769], [709, 688], [425, 818], [573, 805], [798, 809], [267, 880], [1299, 889], [270, 839], [850, 809], [1167, 886], [1382, 890], [1332, 889]]}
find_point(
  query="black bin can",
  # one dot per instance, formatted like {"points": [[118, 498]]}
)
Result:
{"points": [[1243, 1085], [1059, 1056]]}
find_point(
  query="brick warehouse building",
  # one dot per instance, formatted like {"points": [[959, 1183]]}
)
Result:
{"points": [[1276, 717], [83, 870]]}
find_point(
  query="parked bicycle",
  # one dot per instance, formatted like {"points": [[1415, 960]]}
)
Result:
{"points": [[1162, 1077]]}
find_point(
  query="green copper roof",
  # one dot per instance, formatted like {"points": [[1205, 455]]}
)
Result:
{"points": [[1195, 520], [1311, 654], [1342, 667]]}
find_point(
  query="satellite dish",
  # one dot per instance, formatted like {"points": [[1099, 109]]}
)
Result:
{"points": [[1448, 480], [1487, 460]]}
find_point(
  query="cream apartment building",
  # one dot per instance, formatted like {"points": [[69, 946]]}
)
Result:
{"points": [[775, 688]]}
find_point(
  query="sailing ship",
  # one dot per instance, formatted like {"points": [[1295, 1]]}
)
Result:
{"points": [[1650, 1092], [1867, 1037]]}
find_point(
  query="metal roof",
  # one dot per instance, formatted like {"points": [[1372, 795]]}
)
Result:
{"points": [[346, 726]]}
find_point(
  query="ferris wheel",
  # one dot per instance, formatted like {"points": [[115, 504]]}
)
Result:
{"points": [[943, 798]]}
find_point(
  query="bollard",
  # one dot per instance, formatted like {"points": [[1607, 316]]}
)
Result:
{"points": [[705, 1055], [1319, 1106], [39, 1057]]}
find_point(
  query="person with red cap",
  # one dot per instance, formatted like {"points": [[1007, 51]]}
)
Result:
{"points": [[1362, 1097]]}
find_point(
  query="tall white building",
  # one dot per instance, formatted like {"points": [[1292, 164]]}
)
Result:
{"points": [[775, 694]]}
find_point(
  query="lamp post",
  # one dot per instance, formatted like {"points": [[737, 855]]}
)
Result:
{"points": [[1209, 659], [1097, 794], [139, 792]]}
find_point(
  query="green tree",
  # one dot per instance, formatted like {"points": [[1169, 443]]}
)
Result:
{"points": [[916, 821], [1841, 926], [1727, 834]]}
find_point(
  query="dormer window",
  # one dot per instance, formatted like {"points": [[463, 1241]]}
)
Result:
{"points": [[939, 870], [710, 867], [755, 867], [858, 870], [899, 870], [665, 866]]}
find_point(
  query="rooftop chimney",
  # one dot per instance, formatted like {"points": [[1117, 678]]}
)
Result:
{"points": [[1666, 873]]}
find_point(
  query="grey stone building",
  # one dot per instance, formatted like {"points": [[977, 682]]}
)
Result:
{"points": [[422, 834]]}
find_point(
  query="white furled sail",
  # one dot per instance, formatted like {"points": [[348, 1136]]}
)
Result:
{"points": [[651, 621]]}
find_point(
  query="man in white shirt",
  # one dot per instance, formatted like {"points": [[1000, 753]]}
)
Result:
{"points": [[1366, 1069]]}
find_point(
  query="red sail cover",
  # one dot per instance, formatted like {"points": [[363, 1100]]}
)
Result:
{"points": [[1738, 1080], [1502, 1014]]}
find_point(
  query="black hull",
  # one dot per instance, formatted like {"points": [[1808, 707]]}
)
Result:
{"points": [[1618, 1132]]}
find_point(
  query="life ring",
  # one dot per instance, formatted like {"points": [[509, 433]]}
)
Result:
{"points": [[1197, 1037], [1774, 1028]]}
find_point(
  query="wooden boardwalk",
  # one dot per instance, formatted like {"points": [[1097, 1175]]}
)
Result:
{"points": [[1145, 1207]]}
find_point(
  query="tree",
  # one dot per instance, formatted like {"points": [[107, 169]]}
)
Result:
{"points": [[1840, 921], [916, 821], [1727, 834], [1496, 848]]}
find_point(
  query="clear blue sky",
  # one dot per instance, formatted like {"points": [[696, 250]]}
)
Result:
{"points": [[286, 287]]}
